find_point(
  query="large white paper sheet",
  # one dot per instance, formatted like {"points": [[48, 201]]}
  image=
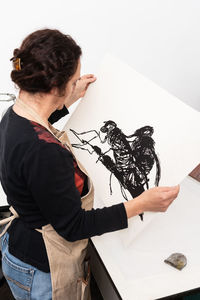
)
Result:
{"points": [[124, 96]]}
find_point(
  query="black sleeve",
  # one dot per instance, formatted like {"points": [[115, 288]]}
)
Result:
{"points": [[49, 172], [58, 114]]}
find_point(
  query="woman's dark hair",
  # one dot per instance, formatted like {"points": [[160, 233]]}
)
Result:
{"points": [[48, 58]]}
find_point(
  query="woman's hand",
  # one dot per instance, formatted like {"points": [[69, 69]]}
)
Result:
{"points": [[156, 199], [80, 88]]}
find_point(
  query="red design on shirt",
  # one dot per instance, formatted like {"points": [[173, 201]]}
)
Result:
{"points": [[45, 135], [79, 178]]}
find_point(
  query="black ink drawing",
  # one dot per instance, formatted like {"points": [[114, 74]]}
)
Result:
{"points": [[133, 156]]}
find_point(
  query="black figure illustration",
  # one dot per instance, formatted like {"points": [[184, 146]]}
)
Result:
{"points": [[133, 156]]}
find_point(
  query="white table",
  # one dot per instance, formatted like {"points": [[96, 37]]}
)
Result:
{"points": [[138, 271]]}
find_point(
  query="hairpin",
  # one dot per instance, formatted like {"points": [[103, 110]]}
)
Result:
{"points": [[16, 63]]}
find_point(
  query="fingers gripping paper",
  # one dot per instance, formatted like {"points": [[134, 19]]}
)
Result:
{"points": [[132, 135]]}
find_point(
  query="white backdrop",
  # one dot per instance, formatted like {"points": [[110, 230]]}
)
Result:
{"points": [[158, 38]]}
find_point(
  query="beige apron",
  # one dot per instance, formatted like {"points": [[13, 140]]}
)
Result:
{"points": [[68, 266]]}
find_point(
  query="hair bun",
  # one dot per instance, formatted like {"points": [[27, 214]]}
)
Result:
{"points": [[46, 58], [16, 52]]}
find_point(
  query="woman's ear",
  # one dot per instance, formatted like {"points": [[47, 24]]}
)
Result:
{"points": [[54, 91], [57, 93]]}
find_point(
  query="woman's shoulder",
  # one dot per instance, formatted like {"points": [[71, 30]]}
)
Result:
{"points": [[45, 135], [22, 138], [19, 130]]}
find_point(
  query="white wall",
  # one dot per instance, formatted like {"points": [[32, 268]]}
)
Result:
{"points": [[159, 38]]}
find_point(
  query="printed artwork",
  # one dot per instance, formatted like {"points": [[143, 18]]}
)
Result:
{"points": [[132, 135], [130, 158]]}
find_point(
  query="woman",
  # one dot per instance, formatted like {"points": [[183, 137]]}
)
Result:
{"points": [[44, 248]]}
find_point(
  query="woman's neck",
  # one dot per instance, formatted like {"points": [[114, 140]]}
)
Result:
{"points": [[43, 104]]}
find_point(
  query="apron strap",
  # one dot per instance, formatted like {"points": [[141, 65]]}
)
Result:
{"points": [[59, 135], [33, 113], [8, 220]]}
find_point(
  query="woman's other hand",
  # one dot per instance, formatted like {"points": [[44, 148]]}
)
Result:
{"points": [[80, 88], [156, 199]]}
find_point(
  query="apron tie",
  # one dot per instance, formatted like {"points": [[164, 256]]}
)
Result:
{"points": [[8, 220]]}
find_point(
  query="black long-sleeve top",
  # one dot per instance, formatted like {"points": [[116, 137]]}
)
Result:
{"points": [[44, 185]]}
